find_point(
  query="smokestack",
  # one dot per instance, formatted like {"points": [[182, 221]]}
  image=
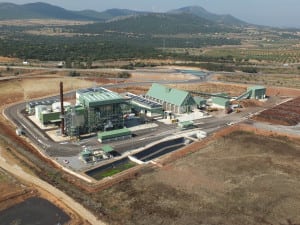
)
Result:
{"points": [[62, 110]]}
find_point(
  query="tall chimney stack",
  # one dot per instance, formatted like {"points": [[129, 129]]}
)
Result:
{"points": [[62, 114]]}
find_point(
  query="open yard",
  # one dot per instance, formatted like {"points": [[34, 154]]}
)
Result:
{"points": [[241, 178]]}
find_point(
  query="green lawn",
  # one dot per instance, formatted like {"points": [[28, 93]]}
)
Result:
{"points": [[113, 171]]}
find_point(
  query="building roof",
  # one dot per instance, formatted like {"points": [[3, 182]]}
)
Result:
{"points": [[85, 153], [257, 88], [114, 134], [143, 102], [186, 123], [199, 100], [220, 101], [99, 96], [107, 148], [170, 95]]}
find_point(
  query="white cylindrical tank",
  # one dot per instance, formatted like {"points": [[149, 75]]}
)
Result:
{"points": [[39, 109], [57, 108]]}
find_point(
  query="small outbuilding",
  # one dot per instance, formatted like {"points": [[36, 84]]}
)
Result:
{"points": [[112, 135]]}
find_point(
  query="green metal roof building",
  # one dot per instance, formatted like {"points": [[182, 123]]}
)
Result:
{"points": [[258, 92], [114, 135], [98, 96], [50, 117], [200, 101], [172, 99], [220, 102], [186, 124], [107, 148]]}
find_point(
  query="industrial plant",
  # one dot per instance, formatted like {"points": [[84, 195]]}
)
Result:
{"points": [[101, 110]]}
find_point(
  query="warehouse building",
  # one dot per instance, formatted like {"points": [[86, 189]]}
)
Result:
{"points": [[114, 135], [257, 92], [144, 105], [171, 99], [221, 101]]}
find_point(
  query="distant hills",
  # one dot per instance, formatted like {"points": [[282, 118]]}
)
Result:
{"points": [[201, 12], [156, 23], [37, 11], [41, 10]]}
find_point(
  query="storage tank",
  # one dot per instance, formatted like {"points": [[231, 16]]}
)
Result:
{"points": [[56, 106], [40, 109], [46, 109]]}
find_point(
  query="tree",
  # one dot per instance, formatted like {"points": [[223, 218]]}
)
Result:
{"points": [[74, 74], [124, 74]]}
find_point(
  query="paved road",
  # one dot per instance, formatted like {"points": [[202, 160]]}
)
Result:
{"points": [[37, 136]]}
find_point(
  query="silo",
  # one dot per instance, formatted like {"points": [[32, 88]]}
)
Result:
{"points": [[56, 106]]}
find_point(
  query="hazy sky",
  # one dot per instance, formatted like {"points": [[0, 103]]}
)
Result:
{"points": [[265, 12]]}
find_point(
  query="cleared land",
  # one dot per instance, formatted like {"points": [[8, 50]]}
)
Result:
{"points": [[14, 192], [287, 113], [231, 89], [239, 179], [27, 89], [279, 80], [44, 22]]}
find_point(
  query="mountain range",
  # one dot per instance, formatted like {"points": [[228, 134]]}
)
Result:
{"points": [[41, 10]]}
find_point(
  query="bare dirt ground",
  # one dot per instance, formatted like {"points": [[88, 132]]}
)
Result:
{"points": [[241, 178], [27, 89], [138, 76], [231, 89], [279, 80], [14, 191], [8, 60], [280, 91], [48, 22], [287, 114]]}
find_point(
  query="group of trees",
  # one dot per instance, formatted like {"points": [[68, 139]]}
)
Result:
{"points": [[82, 49], [87, 49]]}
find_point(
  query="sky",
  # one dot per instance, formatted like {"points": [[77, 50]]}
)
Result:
{"points": [[279, 13]]}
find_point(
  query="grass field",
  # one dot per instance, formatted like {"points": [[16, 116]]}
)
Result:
{"points": [[113, 171]]}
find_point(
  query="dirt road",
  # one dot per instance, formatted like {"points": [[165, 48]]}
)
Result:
{"points": [[61, 196]]}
